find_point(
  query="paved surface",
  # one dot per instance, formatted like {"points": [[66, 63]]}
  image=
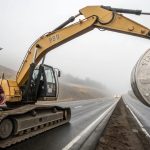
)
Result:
{"points": [[141, 111], [84, 113]]}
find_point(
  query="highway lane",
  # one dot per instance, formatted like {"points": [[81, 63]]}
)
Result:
{"points": [[141, 111], [84, 113]]}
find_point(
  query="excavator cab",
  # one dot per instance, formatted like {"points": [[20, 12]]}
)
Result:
{"points": [[47, 82], [42, 84]]}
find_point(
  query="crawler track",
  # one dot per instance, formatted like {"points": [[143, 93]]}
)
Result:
{"points": [[31, 120]]}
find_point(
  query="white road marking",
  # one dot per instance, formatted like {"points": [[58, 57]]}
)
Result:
{"points": [[94, 123], [138, 121], [78, 107]]}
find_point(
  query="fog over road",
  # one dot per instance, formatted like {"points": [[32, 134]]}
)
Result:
{"points": [[84, 113]]}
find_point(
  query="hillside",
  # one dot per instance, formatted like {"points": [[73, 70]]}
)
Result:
{"points": [[9, 73], [70, 87]]}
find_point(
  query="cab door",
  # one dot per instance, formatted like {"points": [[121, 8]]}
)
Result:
{"points": [[50, 81]]}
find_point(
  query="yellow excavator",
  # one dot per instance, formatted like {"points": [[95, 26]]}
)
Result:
{"points": [[21, 117]]}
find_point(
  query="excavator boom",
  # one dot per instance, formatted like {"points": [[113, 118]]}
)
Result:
{"points": [[95, 17]]}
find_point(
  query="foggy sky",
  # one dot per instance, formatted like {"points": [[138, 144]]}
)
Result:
{"points": [[107, 57]]}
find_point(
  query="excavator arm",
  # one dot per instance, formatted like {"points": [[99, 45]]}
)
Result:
{"points": [[101, 17], [111, 20]]}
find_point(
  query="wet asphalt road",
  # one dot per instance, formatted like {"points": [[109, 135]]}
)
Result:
{"points": [[83, 114], [141, 111]]}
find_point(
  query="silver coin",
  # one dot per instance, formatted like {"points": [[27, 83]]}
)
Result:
{"points": [[140, 78]]}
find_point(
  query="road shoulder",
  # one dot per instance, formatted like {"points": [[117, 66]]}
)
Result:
{"points": [[122, 132]]}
